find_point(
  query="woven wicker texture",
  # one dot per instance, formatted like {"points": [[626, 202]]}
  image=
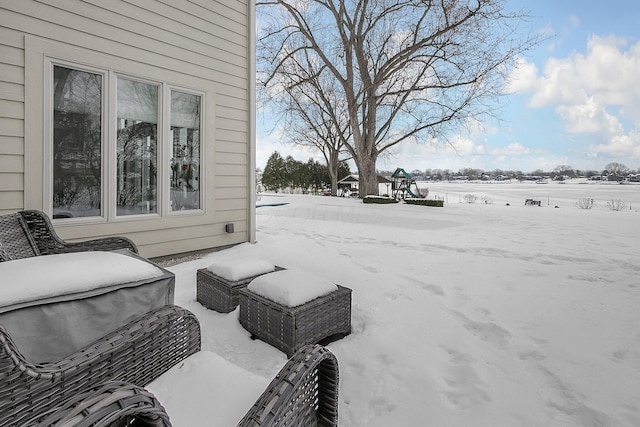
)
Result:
{"points": [[304, 393], [219, 294], [15, 240], [113, 403], [289, 328], [138, 353], [39, 232]]}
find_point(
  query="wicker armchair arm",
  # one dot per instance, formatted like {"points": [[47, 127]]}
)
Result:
{"points": [[114, 403], [305, 392], [138, 353], [49, 242], [101, 244]]}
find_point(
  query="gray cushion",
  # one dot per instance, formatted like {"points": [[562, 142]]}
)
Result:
{"points": [[15, 240]]}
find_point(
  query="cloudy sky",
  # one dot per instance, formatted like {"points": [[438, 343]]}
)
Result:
{"points": [[575, 100]]}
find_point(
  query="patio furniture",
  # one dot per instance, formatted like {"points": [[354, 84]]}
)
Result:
{"points": [[138, 353], [290, 328], [303, 393], [220, 294], [30, 233], [104, 384], [59, 297]]}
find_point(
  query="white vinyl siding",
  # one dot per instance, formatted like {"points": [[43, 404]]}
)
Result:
{"points": [[11, 124], [200, 45]]}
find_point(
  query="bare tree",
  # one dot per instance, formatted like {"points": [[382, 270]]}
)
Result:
{"points": [[314, 113], [617, 169], [408, 70]]}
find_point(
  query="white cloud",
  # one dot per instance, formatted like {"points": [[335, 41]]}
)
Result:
{"points": [[471, 149], [620, 146], [595, 93], [465, 146], [514, 149], [523, 79], [589, 117], [606, 72]]}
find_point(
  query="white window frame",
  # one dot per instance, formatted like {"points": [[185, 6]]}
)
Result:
{"points": [[50, 63], [109, 144], [113, 152], [169, 146]]}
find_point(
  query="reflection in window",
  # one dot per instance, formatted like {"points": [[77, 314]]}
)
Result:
{"points": [[185, 157], [77, 137], [136, 175]]}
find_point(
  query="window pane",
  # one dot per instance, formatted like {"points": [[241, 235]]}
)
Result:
{"points": [[77, 143], [137, 148], [185, 157]]}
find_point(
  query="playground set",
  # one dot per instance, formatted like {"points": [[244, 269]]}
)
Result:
{"points": [[404, 186]]}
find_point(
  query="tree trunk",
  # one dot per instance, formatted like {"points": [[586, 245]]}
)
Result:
{"points": [[334, 182], [368, 176], [333, 172]]}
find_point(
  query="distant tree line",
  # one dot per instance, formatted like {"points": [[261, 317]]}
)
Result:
{"points": [[613, 170], [289, 174]]}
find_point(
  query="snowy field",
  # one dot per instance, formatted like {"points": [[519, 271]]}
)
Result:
{"points": [[550, 193], [475, 314]]}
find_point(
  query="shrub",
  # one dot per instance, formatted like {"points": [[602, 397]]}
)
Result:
{"points": [[585, 203], [470, 198], [617, 205], [425, 202], [379, 200], [487, 200]]}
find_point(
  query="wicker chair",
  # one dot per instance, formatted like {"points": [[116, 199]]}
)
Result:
{"points": [[30, 233], [102, 385], [304, 393], [138, 353], [27, 240]]}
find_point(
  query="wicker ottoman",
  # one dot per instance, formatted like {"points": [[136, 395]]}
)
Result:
{"points": [[217, 293], [289, 328]]}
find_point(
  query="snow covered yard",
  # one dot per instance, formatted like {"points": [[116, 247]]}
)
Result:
{"points": [[473, 314]]}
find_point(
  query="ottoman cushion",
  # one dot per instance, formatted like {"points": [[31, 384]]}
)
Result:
{"points": [[205, 389], [35, 280], [217, 286], [235, 269], [291, 288]]}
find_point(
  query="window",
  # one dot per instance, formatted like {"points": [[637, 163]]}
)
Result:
{"points": [[137, 148], [115, 154], [185, 160], [77, 143]]}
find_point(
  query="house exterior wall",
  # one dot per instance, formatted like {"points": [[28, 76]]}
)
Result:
{"points": [[203, 45]]}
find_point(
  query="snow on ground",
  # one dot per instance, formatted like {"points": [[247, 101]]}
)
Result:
{"points": [[476, 314]]}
